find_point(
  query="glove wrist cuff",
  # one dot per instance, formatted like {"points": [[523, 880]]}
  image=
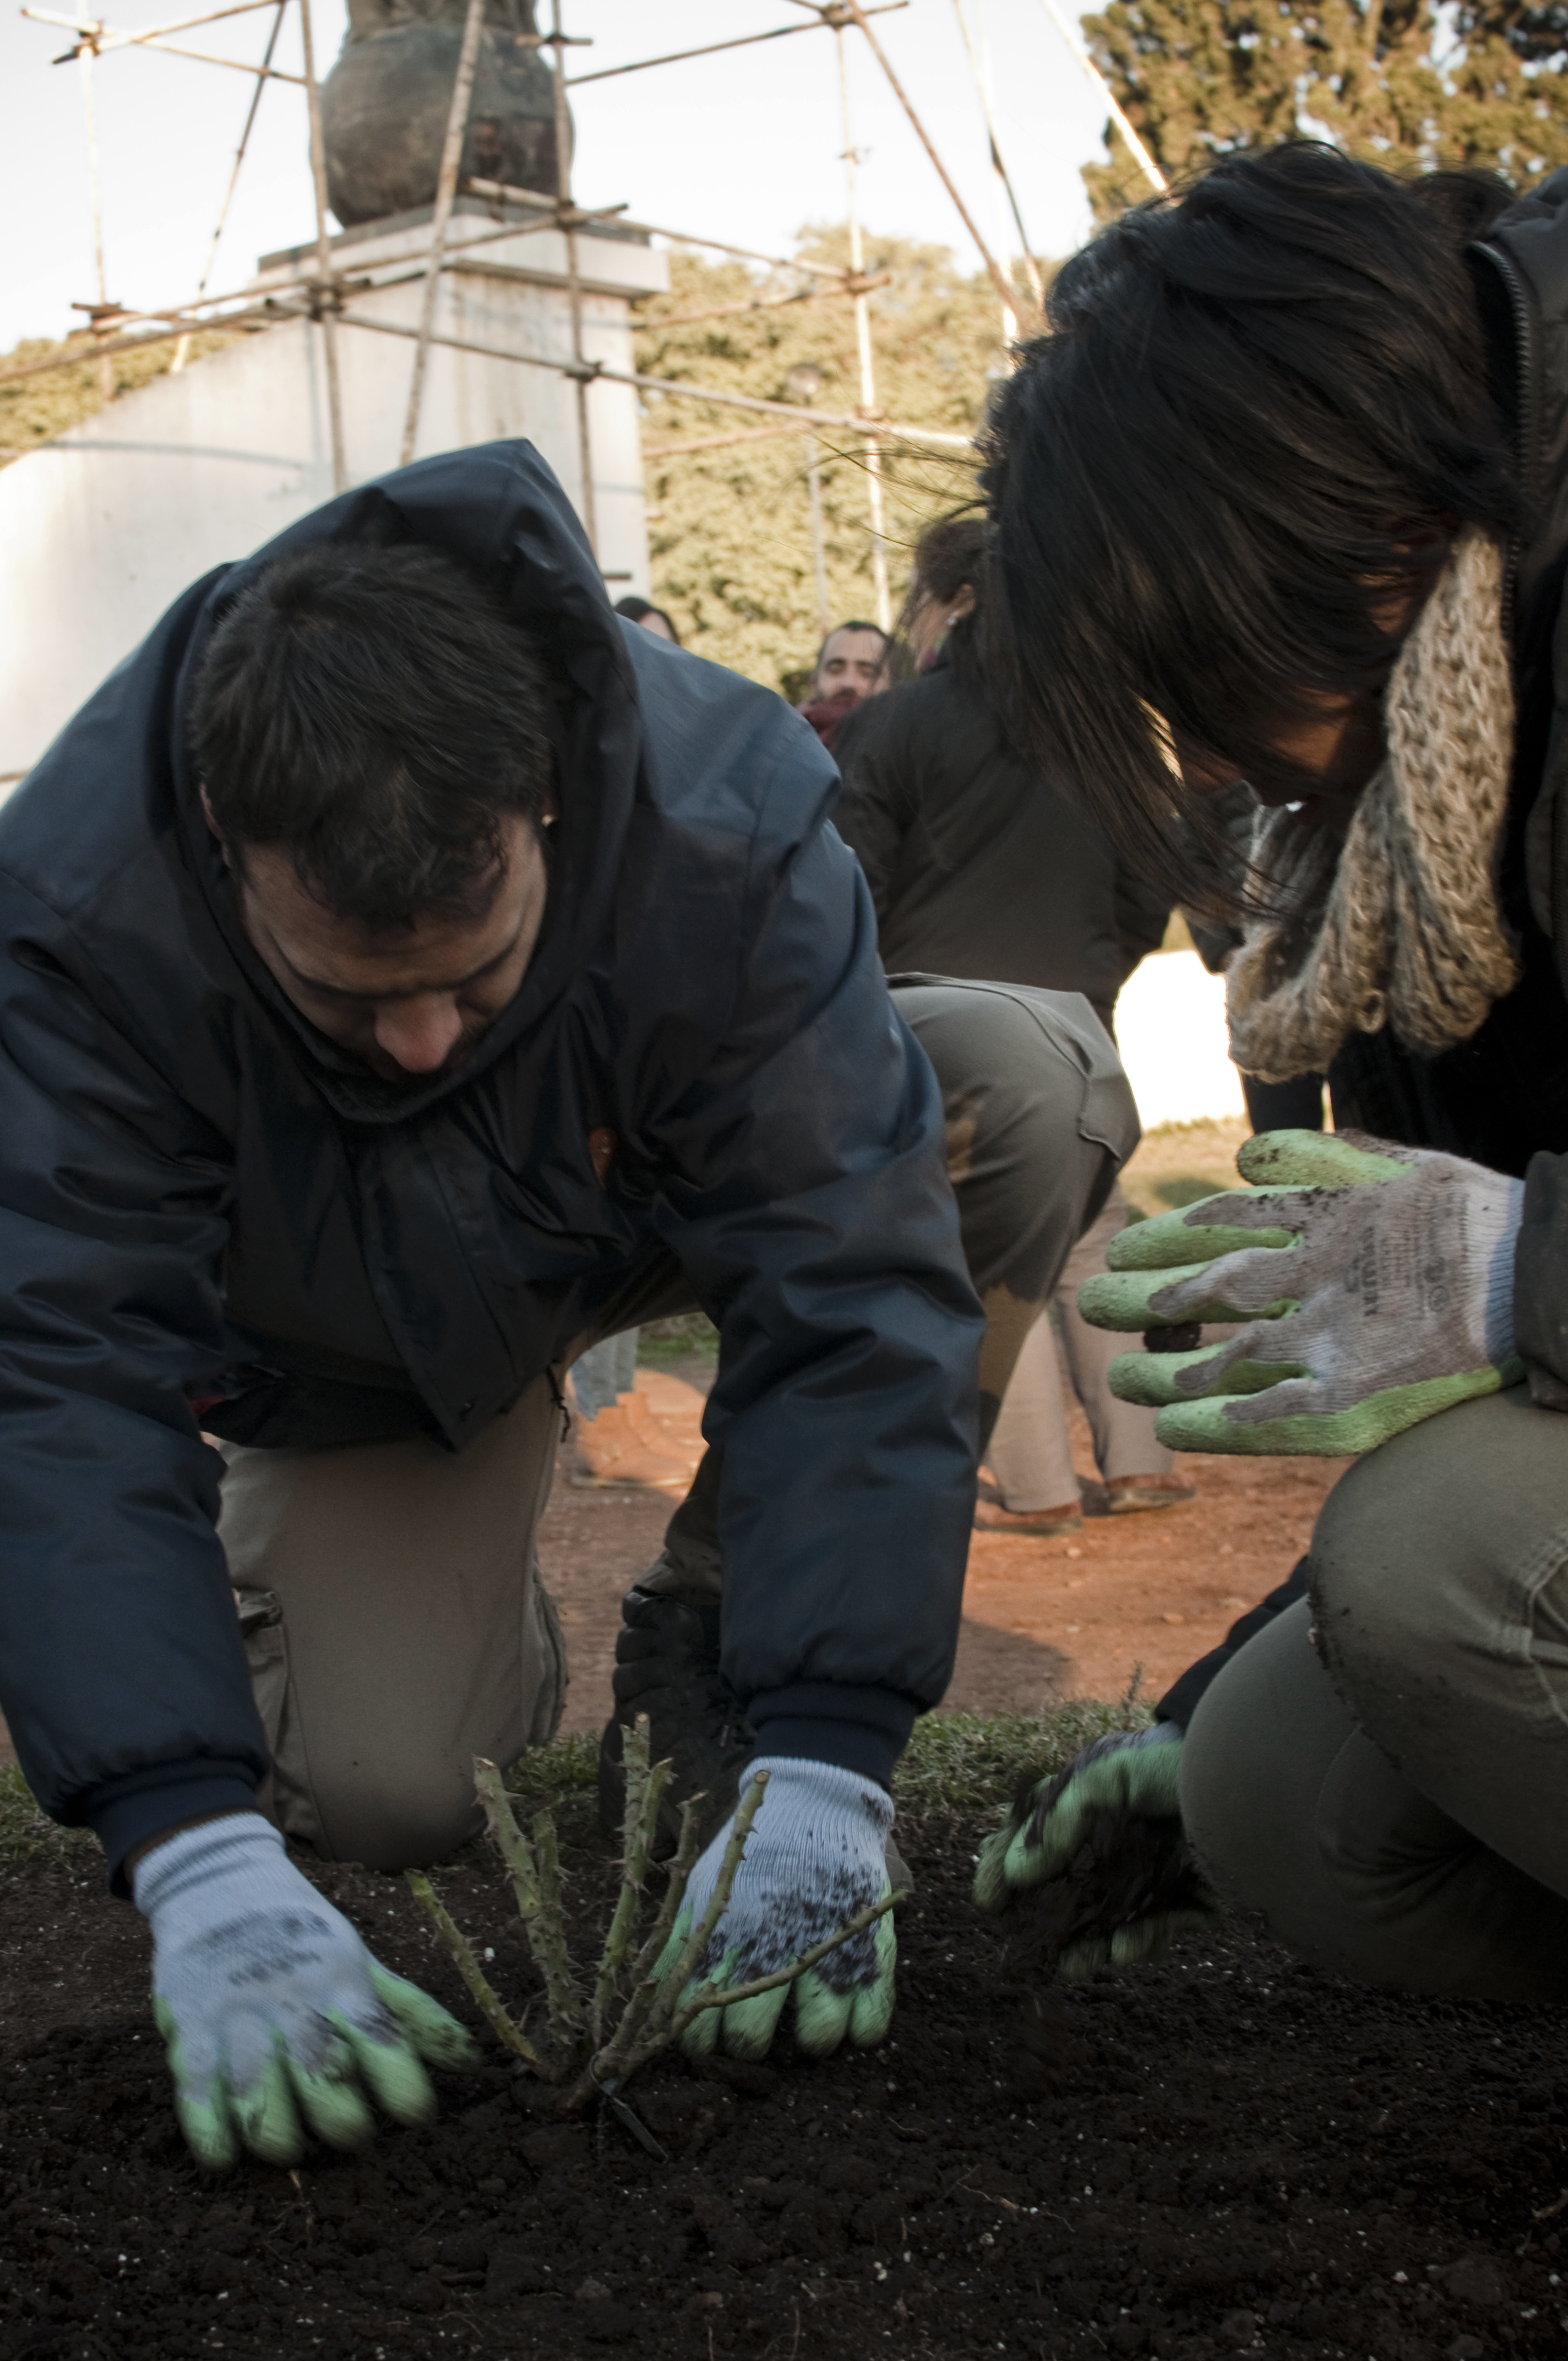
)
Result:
{"points": [[237, 1841], [819, 1788]]}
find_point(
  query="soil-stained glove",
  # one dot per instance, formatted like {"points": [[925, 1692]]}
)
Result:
{"points": [[815, 1857], [1376, 1281], [1097, 1857], [270, 2006]]}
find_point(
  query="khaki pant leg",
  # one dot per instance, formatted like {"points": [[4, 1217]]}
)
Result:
{"points": [[1440, 1587], [1125, 1440], [396, 1627], [1040, 1119], [1294, 1811], [1031, 1451]]}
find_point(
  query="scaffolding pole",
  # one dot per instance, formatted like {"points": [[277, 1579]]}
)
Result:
{"points": [[85, 54], [999, 278], [574, 282], [105, 38], [712, 48], [888, 429], [327, 289], [1145, 162], [880, 588], [182, 349], [445, 191], [1006, 195]]}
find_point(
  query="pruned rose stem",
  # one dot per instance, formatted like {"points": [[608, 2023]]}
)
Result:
{"points": [[650, 1978], [468, 1968]]}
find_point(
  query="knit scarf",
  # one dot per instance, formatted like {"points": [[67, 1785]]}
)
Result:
{"points": [[1398, 924]]}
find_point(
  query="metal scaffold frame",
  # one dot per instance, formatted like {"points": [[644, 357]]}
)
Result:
{"points": [[321, 294]]}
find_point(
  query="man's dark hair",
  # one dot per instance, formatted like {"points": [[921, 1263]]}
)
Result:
{"points": [[855, 623], [374, 709], [1261, 412]]}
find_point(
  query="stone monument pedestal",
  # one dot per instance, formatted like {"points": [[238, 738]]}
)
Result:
{"points": [[104, 526]]}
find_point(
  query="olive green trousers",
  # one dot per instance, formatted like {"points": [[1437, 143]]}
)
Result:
{"points": [[1383, 1771]]}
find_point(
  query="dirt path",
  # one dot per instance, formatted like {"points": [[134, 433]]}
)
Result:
{"points": [[1128, 1597]]}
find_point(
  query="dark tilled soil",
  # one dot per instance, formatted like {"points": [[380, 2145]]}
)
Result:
{"points": [[1225, 2154]]}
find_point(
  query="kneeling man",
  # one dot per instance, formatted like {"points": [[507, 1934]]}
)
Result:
{"points": [[411, 974]]}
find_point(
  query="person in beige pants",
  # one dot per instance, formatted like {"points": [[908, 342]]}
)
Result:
{"points": [[395, 1617], [1031, 1449]]}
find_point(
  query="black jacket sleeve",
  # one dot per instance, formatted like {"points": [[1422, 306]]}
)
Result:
{"points": [[877, 808], [113, 1221], [810, 1206], [1540, 1281], [1143, 913]]}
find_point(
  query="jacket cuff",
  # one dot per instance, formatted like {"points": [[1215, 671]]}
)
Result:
{"points": [[1540, 1281], [1180, 1700], [860, 1729], [129, 1811]]}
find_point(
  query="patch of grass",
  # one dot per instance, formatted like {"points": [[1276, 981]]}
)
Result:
{"points": [[687, 1335], [562, 1777], [27, 1834], [972, 1761], [1179, 1162]]}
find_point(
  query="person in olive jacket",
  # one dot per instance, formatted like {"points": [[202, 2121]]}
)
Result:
{"points": [[410, 974], [1284, 499]]}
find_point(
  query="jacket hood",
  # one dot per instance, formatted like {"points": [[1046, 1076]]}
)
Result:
{"points": [[499, 508]]}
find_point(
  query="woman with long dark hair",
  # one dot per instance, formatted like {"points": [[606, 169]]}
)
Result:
{"points": [[1283, 498], [982, 865]]}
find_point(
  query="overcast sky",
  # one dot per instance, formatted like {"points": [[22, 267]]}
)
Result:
{"points": [[745, 146]]}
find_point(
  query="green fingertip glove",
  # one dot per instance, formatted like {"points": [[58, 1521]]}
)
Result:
{"points": [[1376, 1282], [1107, 1834], [816, 1858], [277, 2020]]}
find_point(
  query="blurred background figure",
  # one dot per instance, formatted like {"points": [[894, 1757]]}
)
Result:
{"points": [[653, 618], [983, 868], [852, 664]]}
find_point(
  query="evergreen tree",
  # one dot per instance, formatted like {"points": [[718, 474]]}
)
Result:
{"points": [[730, 528], [1407, 83]]}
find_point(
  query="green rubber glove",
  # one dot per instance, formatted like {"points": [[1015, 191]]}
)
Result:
{"points": [[1377, 1283], [1096, 1856], [275, 2016], [816, 1858]]}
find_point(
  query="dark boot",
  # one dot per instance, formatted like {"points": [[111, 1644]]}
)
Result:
{"points": [[666, 1666]]}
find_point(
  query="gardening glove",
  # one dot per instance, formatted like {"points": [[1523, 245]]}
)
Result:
{"points": [[1377, 1283], [1107, 1831], [269, 2005], [815, 1857]]}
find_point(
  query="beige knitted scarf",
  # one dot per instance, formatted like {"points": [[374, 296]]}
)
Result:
{"points": [[1398, 924]]}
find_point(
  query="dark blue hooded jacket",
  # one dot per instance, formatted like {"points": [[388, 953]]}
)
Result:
{"points": [[208, 1214]]}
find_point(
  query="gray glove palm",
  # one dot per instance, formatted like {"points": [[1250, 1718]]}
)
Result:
{"points": [[1376, 1281], [271, 2007], [816, 1858]]}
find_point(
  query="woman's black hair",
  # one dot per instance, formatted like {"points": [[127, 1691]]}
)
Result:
{"points": [[635, 609], [951, 555], [1261, 413]]}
